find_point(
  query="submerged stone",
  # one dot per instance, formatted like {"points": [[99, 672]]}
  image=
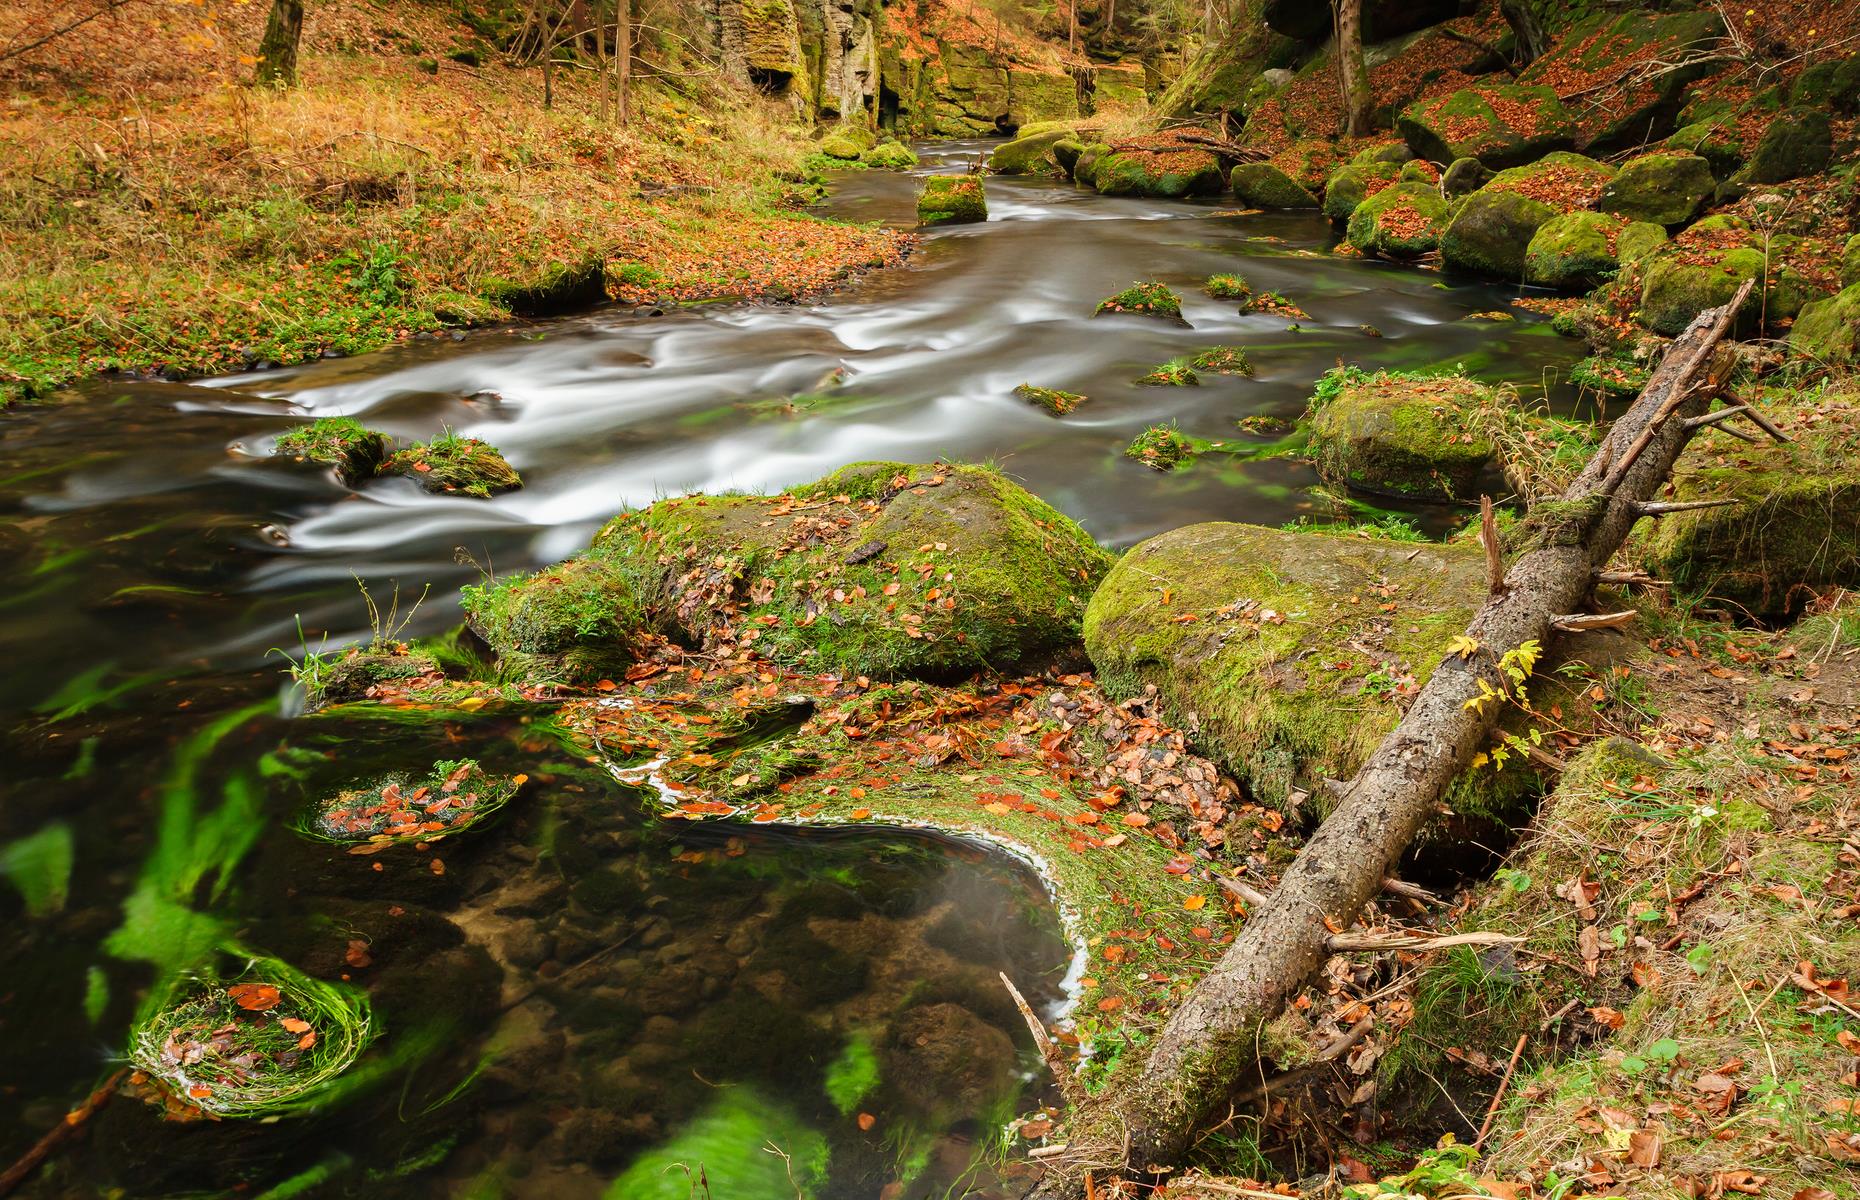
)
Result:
{"points": [[952, 200]]}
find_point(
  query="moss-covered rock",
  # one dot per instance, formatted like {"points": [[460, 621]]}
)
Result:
{"points": [[455, 465], [1796, 529], [1703, 267], [1263, 185], [1056, 402], [356, 452], [1501, 125], [848, 141], [1850, 261], [1564, 180], [1400, 222], [1828, 331], [1714, 140], [881, 569], [1832, 84], [356, 673], [1399, 435], [1161, 448], [1353, 183], [1638, 240], [576, 621], [1492, 232], [1665, 189], [1610, 376], [1610, 48], [890, 156], [1085, 169], [1302, 649], [1798, 142], [1149, 299], [1227, 287], [1066, 153], [1464, 176], [952, 200], [1158, 165], [1574, 250], [1029, 153]]}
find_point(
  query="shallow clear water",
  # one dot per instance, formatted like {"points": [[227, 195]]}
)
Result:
{"points": [[584, 985]]}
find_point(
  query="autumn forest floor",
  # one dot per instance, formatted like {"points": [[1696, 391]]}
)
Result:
{"points": [[159, 215]]}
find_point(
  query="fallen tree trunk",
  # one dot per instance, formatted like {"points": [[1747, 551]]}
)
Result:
{"points": [[1143, 1127]]}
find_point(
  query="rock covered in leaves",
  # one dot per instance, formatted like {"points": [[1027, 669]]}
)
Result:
{"points": [[359, 672], [1798, 142], [881, 569], [1404, 221], [1643, 63], [1501, 125], [1290, 653], [1795, 529], [1355, 182], [1160, 165], [1399, 434], [450, 798], [952, 200], [1703, 267]]}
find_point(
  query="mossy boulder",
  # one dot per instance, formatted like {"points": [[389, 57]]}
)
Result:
{"points": [[1029, 153], [1464, 176], [1703, 268], [890, 156], [358, 672], [1563, 179], [356, 452], [1085, 169], [1400, 222], [952, 200], [1400, 435], [1353, 183], [576, 621], [1167, 171], [454, 465], [1796, 530], [1664, 189], [1147, 299], [1714, 140], [1303, 647], [1831, 84], [1066, 153], [1850, 261], [1798, 142], [1608, 48], [1828, 331], [1574, 251], [1501, 125], [1638, 240], [881, 569], [1492, 232], [1263, 185], [848, 141]]}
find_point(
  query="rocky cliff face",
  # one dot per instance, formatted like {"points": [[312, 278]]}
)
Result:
{"points": [[913, 67]]}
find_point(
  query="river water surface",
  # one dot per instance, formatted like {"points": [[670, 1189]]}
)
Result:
{"points": [[586, 998]]}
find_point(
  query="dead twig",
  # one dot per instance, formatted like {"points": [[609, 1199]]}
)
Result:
{"points": [[1485, 1127], [1069, 1085], [65, 1129]]}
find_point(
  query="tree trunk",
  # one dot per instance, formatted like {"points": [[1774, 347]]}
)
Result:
{"points": [[1533, 42], [623, 62], [1209, 1041], [1354, 74], [277, 50]]}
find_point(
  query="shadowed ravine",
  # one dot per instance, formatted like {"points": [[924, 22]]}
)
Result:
{"points": [[584, 993]]}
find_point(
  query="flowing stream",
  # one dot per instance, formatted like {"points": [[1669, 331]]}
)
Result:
{"points": [[587, 996]]}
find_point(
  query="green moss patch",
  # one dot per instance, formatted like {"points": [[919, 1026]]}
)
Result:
{"points": [[890, 156], [1616, 378], [265, 1043], [358, 673], [1492, 231], [574, 622], [1227, 287], [455, 465], [1054, 401], [1222, 360], [1171, 374], [1575, 250], [1663, 189], [1263, 185], [1146, 299], [1162, 448]]}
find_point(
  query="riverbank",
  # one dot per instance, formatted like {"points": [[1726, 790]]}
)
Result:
{"points": [[163, 218]]}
